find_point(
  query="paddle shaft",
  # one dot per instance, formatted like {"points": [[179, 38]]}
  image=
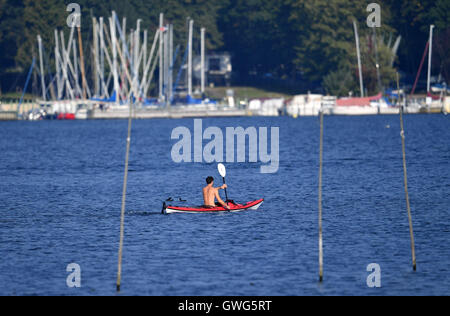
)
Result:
{"points": [[226, 193]]}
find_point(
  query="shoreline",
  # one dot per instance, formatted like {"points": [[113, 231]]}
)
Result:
{"points": [[34, 111]]}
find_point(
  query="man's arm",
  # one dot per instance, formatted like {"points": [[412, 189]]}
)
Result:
{"points": [[216, 193], [223, 187]]}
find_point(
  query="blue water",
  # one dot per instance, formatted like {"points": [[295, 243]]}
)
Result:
{"points": [[60, 198]]}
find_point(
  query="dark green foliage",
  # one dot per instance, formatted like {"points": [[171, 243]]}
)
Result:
{"points": [[293, 40]]}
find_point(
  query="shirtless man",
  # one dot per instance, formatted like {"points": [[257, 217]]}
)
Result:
{"points": [[210, 194]]}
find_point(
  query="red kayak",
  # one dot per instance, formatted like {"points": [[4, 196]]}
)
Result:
{"points": [[234, 207]]}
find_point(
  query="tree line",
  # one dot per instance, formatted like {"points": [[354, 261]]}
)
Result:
{"points": [[292, 40]]}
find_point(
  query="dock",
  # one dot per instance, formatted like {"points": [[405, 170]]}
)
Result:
{"points": [[8, 116], [163, 113], [10, 111], [300, 106]]}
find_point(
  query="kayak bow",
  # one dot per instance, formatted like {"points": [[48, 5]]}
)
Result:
{"points": [[234, 207]]}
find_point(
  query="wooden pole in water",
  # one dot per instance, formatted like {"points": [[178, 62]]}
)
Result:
{"points": [[122, 219], [320, 199], [122, 214], [125, 179], [405, 178]]}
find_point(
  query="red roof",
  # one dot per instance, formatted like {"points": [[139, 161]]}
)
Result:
{"points": [[358, 101]]}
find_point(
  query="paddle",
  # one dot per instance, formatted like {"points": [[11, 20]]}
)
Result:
{"points": [[223, 173]]}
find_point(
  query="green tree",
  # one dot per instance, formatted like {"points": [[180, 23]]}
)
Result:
{"points": [[412, 21], [11, 35], [369, 64], [257, 32], [283, 37], [340, 82], [325, 36], [39, 18]]}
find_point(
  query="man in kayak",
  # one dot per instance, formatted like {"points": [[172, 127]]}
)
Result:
{"points": [[210, 194]]}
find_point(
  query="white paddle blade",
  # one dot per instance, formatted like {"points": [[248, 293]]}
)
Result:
{"points": [[222, 170]]}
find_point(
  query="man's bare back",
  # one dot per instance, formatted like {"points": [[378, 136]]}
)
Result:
{"points": [[210, 194]]}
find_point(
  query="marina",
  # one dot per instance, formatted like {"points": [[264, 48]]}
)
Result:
{"points": [[298, 106], [320, 128], [149, 73]]}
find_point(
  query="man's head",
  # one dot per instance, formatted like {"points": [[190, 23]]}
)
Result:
{"points": [[209, 180]]}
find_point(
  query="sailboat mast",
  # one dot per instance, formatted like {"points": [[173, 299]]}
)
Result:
{"points": [[203, 81], [96, 64], [112, 25], [358, 52], [83, 77], [430, 53], [380, 87], [57, 65], [42, 68], [161, 66], [191, 30], [102, 58], [75, 67], [170, 80]]}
